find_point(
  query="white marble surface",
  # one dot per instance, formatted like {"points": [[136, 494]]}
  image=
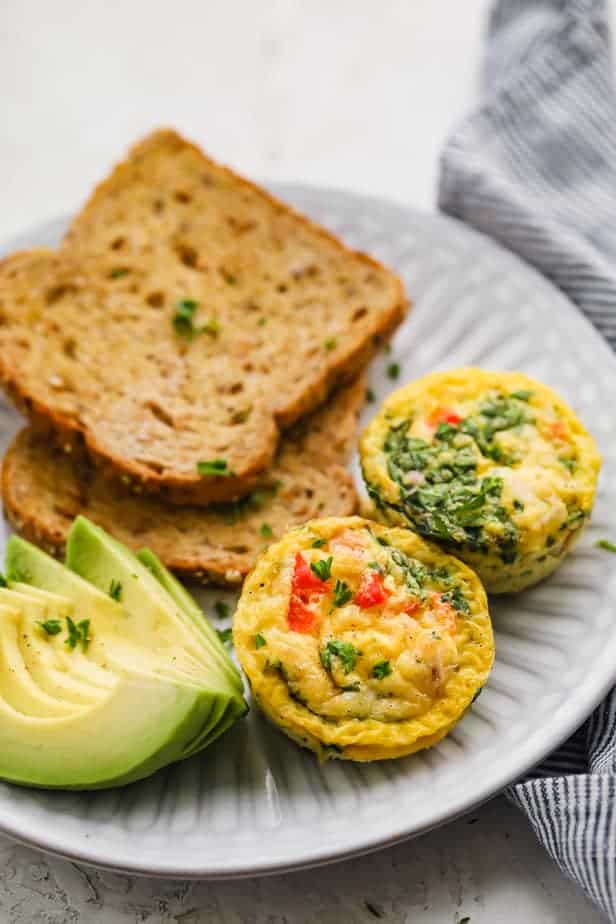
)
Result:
{"points": [[352, 93], [486, 867]]}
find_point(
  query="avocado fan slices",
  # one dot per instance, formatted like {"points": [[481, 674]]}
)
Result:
{"points": [[108, 668]]}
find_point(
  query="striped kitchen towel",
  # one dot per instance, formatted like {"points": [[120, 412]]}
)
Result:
{"points": [[535, 168]]}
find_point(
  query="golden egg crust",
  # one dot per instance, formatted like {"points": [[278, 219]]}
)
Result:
{"points": [[494, 466], [361, 641]]}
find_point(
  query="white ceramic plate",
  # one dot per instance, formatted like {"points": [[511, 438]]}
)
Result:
{"points": [[255, 803]]}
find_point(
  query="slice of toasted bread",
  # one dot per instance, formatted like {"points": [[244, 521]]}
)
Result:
{"points": [[187, 318], [44, 489]]}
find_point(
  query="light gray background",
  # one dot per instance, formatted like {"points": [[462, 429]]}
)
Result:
{"points": [[351, 93]]}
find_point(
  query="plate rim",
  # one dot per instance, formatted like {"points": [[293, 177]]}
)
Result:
{"points": [[534, 750]]}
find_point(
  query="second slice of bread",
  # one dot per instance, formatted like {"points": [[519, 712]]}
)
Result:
{"points": [[44, 489]]}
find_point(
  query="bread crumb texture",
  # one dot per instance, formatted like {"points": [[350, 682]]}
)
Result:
{"points": [[188, 317]]}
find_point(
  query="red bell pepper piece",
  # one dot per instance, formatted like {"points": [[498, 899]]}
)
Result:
{"points": [[304, 578], [300, 617], [305, 584], [372, 590], [443, 415], [558, 430]]}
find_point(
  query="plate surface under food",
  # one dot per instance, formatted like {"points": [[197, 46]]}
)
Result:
{"points": [[254, 802]]}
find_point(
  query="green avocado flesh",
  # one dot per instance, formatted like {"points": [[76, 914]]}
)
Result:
{"points": [[108, 668]]}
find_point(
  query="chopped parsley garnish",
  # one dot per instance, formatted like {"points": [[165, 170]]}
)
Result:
{"points": [[73, 633], [381, 670], [346, 653], [319, 543], [2, 580], [370, 396], [330, 344], [183, 318], [607, 545], [51, 626], [414, 572], [222, 609], [517, 504], [569, 463], [260, 641], [450, 501], [262, 322], [115, 589], [233, 512], [84, 633], [523, 394], [323, 568], [393, 371], [342, 593], [457, 600], [492, 417], [375, 566], [333, 749], [118, 271], [214, 467], [211, 327], [183, 321], [574, 519], [225, 635], [78, 633], [266, 531]]}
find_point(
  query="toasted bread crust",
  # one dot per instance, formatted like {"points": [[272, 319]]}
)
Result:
{"points": [[44, 488], [283, 370]]}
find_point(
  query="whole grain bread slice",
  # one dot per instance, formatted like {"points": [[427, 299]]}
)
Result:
{"points": [[187, 319], [44, 488]]}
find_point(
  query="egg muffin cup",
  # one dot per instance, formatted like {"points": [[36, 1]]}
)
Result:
{"points": [[362, 642], [493, 466]]}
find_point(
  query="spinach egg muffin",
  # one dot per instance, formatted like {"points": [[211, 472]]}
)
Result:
{"points": [[493, 466], [362, 641]]}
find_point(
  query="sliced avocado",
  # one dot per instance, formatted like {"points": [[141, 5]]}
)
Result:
{"points": [[18, 687], [112, 656], [190, 607], [142, 725], [65, 605], [52, 669], [142, 625], [59, 684], [234, 711], [100, 560], [94, 670], [38, 607]]}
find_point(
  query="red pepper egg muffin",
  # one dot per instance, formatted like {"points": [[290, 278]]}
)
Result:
{"points": [[493, 466], [360, 641]]}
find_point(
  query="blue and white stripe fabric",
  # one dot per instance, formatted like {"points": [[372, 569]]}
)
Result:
{"points": [[535, 168]]}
